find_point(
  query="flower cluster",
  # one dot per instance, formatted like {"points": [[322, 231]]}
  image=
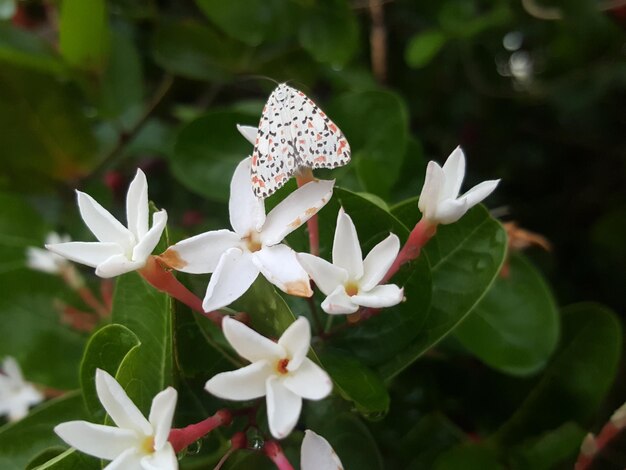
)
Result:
{"points": [[16, 395]]}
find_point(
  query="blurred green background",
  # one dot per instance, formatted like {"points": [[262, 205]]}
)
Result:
{"points": [[534, 91]]}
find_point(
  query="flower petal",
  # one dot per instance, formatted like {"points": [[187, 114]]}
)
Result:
{"points": [[380, 296], [247, 212], [42, 260], [104, 442], [453, 174], [88, 253], [346, 248], [161, 415], [310, 381], [433, 184], [201, 253], [249, 344], [283, 408], [137, 205], [164, 459], [117, 265], [295, 210], [317, 454], [296, 340], [246, 383], [249, 133], [338, 302], [234, 274], [127, 460], [450, 210], [117, 404], [479, 192], [378, 261], [326, 275], [144, 248], [102, 224], [12, 370], [280, 266]]}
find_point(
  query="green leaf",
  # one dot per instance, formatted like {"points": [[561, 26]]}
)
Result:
{"points": [[356, 383], [84, 34], [207, 151], [423, 48], [105, 350], [330, 32], [148, 314], [578, 377], [515, 327], [18, 47], [465, 258], [20, 227], [469, 457], [430, 436], [376, 125], [23, 440], [71, 459]]}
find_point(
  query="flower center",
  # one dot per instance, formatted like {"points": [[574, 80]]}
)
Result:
{"points": [[281, 366], [252, 242], [148, 445], [352, 288]]}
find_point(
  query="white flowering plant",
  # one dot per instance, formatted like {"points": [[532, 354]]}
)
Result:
{"points": [[286, 320]]}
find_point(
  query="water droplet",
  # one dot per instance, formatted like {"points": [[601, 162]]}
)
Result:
{"points": [[255, 439], [194, 449]]}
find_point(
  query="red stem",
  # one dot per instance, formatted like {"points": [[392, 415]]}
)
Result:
{"points": [[166, 282], [305, 176], [275, 453], [593, 446], [184, 437], [238, 441], [419, 236]]}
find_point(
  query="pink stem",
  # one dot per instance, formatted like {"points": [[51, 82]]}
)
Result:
{"points": [[419, 236], [106, 292], [184, 437], [275, 453], [238, 441], [165, 281], [305, 176], [593, 446]]}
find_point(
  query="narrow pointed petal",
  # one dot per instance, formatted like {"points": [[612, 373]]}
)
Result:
{"points": [[317, 454], [433, 185], [310, 381], [453, 173], [200, 254], [280, 266], [283, 408], [117, 404], [296, 340], [479, 192], [87, 253], [248, 343], [161, 415], [12, 370], [42, 260], [295, 210], [164, 459], [118, 265], [17, 411], [249, 133], [104, 442], [137, 205], [450, 210], [378, 261], [246, 383], [326, 275], [247, 212], [346, 247], [102, 224], [338, 302], [380, 296], [150, 240], [130, 459], [234, 274]]}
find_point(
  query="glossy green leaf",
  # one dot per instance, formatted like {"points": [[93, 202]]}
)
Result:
{"points": [[431, 436], [18, 47], [148, 314], [423, 48], [469, 457], [71, 459], [576, 380], [330, 32], [207, 151], [465, 258], [105, 350], [376, 125], [515, 327], [20, 227], [23, 440], [84, 34]]}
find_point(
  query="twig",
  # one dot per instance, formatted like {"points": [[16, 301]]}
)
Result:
{"points": [[378, 41]]}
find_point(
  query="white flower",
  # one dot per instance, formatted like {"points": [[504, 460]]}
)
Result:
{"points": [[351, 281], [280, 371], [119, 249], [16, 395], [236, 257], [249, 133], [438, 201], [317, 454], [46, 261], [137, 443]]}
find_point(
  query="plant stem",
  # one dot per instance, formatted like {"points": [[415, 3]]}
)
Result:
{"points": [[184, 437], [593, 448], [238, 441], [305, 176], [419, 236], [275, 453]]}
